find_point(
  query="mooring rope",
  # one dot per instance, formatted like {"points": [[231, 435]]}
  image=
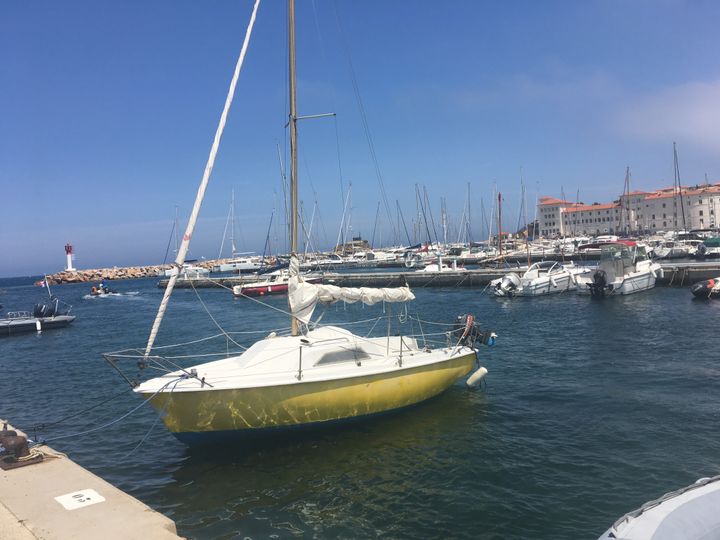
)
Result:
{"points": [[44, 425], [113, 422]]}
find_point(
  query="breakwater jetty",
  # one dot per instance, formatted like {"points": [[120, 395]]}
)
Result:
{"points": [[117, 272], [104, 274]]}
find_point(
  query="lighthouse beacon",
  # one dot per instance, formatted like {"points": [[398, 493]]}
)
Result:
{"points": [[69, 255]]}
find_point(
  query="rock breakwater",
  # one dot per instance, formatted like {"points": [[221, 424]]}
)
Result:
{"points": [[116, 272]]}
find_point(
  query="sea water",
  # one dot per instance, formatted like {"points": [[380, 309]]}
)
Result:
{"points": [[590, 408]]}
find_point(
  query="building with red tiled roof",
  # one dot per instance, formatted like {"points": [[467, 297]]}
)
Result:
{"points": [[664, 209]]}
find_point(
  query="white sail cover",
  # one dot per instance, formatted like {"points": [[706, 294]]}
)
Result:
{"points": [[304, 296]]}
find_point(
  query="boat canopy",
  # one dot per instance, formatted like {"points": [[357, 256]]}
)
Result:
{"points": [[596, 245], [304, 296]]}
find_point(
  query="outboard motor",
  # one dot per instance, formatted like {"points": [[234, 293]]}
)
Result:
{"points": [[599, 284], [51, 309], [704, 289], [508, 285], [469, 334]]}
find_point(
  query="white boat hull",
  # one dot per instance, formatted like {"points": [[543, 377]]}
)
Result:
{"points": [[630, 284]]}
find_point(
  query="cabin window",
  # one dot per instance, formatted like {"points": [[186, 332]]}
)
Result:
{"points": [[344, 355]]}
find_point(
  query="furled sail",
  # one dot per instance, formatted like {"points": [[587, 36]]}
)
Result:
{"points": [[303, 296]]}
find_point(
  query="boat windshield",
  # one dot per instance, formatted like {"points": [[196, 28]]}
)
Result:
{"points": [[615, 252]]}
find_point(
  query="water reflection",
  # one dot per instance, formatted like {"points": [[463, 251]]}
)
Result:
{"points": [[321, 479]]}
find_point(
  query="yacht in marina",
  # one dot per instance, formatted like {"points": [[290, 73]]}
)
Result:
{"points": [[624, 268], [541, 278]]}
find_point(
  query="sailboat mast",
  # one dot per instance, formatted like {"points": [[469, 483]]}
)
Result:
{"points": [[233, 250], [499, 211], [293, 142], [177, 231], [679, 189]]}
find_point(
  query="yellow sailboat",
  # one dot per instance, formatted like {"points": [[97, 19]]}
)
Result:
{"points": [[312, 376]]}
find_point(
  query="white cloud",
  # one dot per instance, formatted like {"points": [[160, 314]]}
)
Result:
{"points": [[557, 87], [688, 113]]}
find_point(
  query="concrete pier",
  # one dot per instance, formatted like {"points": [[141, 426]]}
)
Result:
{"points": [[681, 274], [57, 499]]}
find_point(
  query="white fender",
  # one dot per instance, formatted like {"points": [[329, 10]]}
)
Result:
{"points": [[553, 282], [38, 325], [476, 377]]}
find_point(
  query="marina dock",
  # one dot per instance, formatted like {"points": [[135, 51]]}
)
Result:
{"points": [[678, 274], [57, 499]]}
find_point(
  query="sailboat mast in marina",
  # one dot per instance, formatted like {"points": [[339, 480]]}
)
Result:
{"points": [[293, 145], [310, 375]]}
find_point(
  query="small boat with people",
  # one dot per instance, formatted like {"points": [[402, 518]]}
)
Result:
{"points": [[541, 278], [624, 268], [709, 288], [689, 513], [101, 290]]}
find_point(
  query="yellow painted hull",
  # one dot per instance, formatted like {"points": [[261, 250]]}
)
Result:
{"points": [[294, 405]]}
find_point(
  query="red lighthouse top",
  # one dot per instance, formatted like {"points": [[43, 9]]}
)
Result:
{"points": [[68, 249]]}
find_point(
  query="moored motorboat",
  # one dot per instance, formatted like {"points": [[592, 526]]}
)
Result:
{"points": [[709, 288], [43, 317], [624, 268], [273, 283], [546, 277], [439, 265], [689, 513]]}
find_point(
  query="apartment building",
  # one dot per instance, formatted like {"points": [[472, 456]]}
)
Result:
{"points": [[638, 211]]}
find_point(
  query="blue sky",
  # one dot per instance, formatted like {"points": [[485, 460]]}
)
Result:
{"points": [[109, 108]]}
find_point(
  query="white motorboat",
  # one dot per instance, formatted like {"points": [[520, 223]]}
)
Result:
{"points": [[541, 278], [440, 266], [624, 268], [676, 249], [689, 513], [188, 271], [239, 265]]}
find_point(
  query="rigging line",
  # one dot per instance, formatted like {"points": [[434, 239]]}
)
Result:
{"points": [[213, 318], [315, 197], [429, 209], [363, 117], [222, 244], [402, 218], [108, 424], [44, 425], [167, 249], [333, 97]]}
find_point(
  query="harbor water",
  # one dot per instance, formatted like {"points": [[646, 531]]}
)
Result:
{"points": [[590, 408]]}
